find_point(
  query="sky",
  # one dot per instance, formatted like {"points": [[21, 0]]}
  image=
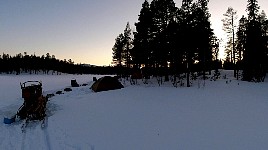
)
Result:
{"points": [[82, 30]]}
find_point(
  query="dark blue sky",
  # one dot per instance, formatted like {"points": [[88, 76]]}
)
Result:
{"points": [[83, 30]]}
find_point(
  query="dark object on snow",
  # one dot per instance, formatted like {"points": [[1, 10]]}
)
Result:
{"points": [[67, 89], [74, 83], [106, 83], [34, 106], [8, 120], [59, 92], [84, 84], [95, 79], [50, 95]]}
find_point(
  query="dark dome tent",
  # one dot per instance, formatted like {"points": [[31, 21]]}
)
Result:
{"points": [[106, 83]]}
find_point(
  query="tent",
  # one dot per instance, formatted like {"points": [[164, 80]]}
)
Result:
{"points": [[106, 83]]}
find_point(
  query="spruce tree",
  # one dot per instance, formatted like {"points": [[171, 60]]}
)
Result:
{"points": [[241, 37], [127, 41], [187, 34], [163, 12], [118, 50], [253, 10], [204, 35], [254, 56], [142, 37], [122, 47], [264, 22]]}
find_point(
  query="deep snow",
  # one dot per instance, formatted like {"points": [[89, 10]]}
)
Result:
{"points": [[215, 116]]}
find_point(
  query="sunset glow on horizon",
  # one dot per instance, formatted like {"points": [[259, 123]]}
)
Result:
{"points": [[83, 30]]}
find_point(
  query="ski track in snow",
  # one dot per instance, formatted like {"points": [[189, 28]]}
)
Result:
{"points": [[35, 137]]}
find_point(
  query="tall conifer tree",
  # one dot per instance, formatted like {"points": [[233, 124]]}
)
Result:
{"points": [[127, 41], [229, 26], [241, 37], [204, 33], [254, 56], [142, 37], [118, 50], [163, 12]]}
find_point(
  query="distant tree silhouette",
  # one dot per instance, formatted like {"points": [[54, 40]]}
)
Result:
{"points": [[33, 64]]}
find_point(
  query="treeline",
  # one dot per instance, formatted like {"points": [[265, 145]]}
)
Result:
{"points": [[247, 47], [251, 45], [182, 41], [178, 39], [46, 64]]}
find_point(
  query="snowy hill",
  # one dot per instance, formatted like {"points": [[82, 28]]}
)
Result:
{"points": [[219, 115]]}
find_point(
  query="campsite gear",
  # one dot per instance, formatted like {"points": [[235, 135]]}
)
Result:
{"points": [[9, 120], [106, 83], [95, 79], [67, 89], [74, 83], [59, 92], [34, 106]]}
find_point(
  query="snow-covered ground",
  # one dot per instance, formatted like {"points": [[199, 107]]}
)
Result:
{"points": [[222, 115]]}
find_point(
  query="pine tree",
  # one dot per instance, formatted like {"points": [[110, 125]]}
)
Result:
{"points": [[187, 35], [173, 37], [186, 4], [122, 48], [229, 27], [204, 35], [175, 51], [118, 50], [229, 52], [197, 36], [253, 10], [163, 12], [264, 29], [142, 37], [215, 42], [127, 41], [263, 20], [265, 34], [189, 39], [255, 45], [241, 37], [254, 56]]}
